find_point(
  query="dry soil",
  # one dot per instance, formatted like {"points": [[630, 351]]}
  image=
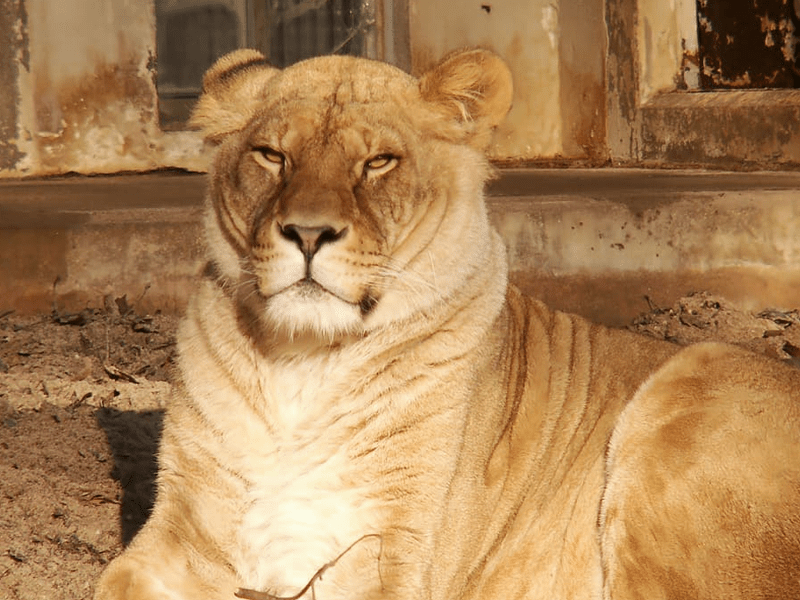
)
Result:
{"points": [[81, 401]]}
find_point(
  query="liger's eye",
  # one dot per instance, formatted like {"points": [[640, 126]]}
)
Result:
{"points": [[268, 157], [380, 164]]}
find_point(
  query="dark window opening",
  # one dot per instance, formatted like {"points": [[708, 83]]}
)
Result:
{"points": [[288, 31], [189, 40], [748, 43], [192, 34]]}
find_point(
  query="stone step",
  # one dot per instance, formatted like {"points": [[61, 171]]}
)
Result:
{"points": [[595, 242]]}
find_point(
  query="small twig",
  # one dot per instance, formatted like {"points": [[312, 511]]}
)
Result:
{"points": [[56, 281], [256, 595], [108, 344], [139, 299], [117, 373], [652, 305], [16, 556], [164, 345], [350, 36], [78, 401]]}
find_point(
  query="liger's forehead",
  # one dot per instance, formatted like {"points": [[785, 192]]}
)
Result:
{"points": [[348, 78], [298, 122], [353, 104], [331, 85]]}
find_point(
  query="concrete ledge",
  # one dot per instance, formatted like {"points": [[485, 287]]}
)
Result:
{"points": [[595, 242], [598, 242], [76, 239]]}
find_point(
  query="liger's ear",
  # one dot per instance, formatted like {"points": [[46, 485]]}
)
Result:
{"points": [[474, 89], [232, 90]]}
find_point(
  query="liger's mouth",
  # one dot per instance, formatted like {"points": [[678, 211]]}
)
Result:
{"points": [[310, 289]]}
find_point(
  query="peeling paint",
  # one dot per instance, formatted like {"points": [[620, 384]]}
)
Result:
{"points": [[550, 24], [688, 75], [96, 120], [789, 48]]}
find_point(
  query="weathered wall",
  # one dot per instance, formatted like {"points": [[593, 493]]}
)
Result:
{"points": [[667, 36], [79, 81], [81, 90], [556, 51], [595, 80]]}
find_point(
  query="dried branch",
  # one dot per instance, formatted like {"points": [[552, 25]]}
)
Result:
{"points": [[256, 595]]}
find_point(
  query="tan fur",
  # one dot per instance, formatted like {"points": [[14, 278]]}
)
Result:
{"points": [[367, 410]]}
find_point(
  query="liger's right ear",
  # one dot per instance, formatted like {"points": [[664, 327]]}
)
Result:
{"points": [[232, 91], [473, 89]]}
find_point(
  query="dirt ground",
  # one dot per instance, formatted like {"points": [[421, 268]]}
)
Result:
{"points": [[81, 401]]}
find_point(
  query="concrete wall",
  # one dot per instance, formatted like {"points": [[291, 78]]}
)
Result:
{"points": [[596, 242], [667, 32]]}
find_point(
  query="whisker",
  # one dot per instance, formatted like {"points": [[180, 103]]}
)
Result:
{"points": [[433, 268], [392, 275]]}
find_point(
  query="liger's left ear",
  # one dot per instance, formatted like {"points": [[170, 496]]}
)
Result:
{"points": [[232, 91], [474, 89]]}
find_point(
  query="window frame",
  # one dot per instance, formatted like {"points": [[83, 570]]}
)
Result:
{"points": [[652, 126]]}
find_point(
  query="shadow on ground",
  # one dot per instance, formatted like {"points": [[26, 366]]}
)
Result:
{"points": [[134, 439]]}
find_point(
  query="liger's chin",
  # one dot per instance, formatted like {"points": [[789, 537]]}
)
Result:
{"points": [[314, 312]]}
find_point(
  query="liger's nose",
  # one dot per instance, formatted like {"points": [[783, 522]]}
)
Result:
{"points": [[310, 239]]}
